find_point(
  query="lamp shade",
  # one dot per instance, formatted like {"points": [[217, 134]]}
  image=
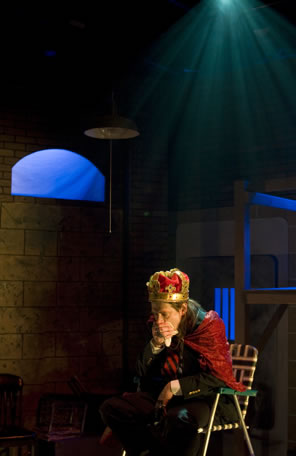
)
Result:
{"points": [[113, 127]]}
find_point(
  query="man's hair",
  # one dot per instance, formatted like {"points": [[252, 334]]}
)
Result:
{"points": [[191, 318]]}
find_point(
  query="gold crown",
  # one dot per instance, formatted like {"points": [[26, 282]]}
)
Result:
{"points": [[168, 288]]}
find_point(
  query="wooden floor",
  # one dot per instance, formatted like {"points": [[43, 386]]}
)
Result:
{"points": [[80, 446], [227, 444]]}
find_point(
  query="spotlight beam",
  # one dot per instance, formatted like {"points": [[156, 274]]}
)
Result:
{"points": [[267, 5]]}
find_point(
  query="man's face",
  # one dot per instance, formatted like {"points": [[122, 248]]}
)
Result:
{"points": [[164, 312]]}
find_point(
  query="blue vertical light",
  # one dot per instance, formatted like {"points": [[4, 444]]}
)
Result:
{"points": [[232, 314], [225, 309], [224, 304], [217, 301]]}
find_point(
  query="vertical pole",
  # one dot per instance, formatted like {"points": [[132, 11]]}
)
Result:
{"points": [[125, 272], [242, 271], [241, 274]]}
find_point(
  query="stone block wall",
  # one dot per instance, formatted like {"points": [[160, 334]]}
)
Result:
{"points": [[148, 250], [60, 275], [73, 297], [60, 299]]}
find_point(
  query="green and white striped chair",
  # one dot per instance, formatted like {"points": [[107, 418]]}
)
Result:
{"points": [[244, 359]]}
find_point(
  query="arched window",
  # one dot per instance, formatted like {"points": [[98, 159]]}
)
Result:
{"points": [[57, 173]]}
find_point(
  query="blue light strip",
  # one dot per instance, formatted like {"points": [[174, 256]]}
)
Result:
{"points": [[273, 289], [232, 314], [225, 309], [262, 199], [224, 304]]}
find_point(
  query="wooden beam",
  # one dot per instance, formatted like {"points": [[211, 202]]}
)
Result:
{"points": [[272, 324], [241, 259], [271, 296]]}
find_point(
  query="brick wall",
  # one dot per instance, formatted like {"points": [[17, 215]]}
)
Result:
{"points": [[148, 232], [60, 272], [72, 297]]}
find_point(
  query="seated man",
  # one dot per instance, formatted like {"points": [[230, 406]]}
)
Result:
{"points": [[187, 357]]}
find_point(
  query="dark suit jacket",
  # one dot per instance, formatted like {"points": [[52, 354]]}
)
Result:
{"points": [[195, 383]]}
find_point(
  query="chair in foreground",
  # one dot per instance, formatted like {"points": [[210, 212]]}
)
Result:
{"points": [[244, 359], [12, 434]]}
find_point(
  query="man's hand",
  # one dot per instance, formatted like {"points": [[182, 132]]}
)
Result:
{"points": [[166, 394], [162, 331]]}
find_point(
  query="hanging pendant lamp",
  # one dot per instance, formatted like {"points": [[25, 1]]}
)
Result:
{"points": [[112, 127]]}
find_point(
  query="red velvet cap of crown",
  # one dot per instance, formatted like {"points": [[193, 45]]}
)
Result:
{"points": [[169, 286]]}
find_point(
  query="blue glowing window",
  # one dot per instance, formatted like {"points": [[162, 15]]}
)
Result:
{"points": [[224, 299], [57, 173]]}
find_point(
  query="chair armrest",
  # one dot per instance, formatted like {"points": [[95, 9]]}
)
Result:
{"points": [[249, 392]]}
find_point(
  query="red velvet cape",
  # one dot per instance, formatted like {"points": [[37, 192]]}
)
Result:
{"points": [[209, 340]]}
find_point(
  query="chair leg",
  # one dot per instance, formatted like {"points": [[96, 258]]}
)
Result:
{"points": [[5, 452], [242, 421], [210, 425], [31, 449]]}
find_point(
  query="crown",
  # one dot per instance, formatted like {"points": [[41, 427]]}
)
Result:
{"points": [[170, 286]]}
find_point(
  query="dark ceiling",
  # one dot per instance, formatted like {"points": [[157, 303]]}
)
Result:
{"points": [[74, 43], [84, 47]]}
